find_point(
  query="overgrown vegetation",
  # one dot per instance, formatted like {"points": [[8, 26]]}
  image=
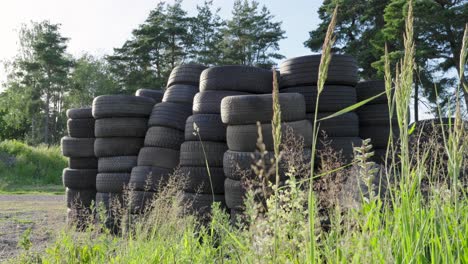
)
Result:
{"points": [[26, 169], [366, 223]]}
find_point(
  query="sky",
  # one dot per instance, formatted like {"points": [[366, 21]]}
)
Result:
{"points": [[96, 27]]}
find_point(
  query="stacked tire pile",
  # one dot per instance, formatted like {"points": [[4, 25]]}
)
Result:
{"points": [[121, 123], [240, 114], [201, 155], [80, 176], [300, 75], [374, 118], [157, 95], [160, 154]]}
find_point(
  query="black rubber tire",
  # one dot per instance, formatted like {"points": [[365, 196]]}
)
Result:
{"points": [[79, 179], [186, 74], [368, 89], [77, 147], [81, 128], [210, 128], [180, 93], [111, 147], [200, 204], [112, 182], [379, 135], [237, 78], [234, 194], [156, 95], [122, 106], [80, 198], [209, 102], [343, 144], [158, 157], [80, 113], [244, 137], [148, 178], [164, 137], [121, 127], [170, 115], [332, 99], [117, 164], [83, 163], [140, 201], [191, 153], [198, 180], [248, 109], [373, 115], [379, 156], [343, 70], [107, 199], [345, 125]]}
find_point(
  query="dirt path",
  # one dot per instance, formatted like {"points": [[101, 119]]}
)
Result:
{"points": [[43, 214]]}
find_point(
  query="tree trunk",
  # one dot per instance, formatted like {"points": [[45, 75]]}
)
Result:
{"points": [[47, 119], [416, 101]]}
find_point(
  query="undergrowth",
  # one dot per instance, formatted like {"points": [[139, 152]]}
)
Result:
{"points": [[412, 210]]}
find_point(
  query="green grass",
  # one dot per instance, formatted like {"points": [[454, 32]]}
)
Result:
{"points": [[27, 169]]}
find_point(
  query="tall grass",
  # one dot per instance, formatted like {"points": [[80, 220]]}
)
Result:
{"points": [[22, 167], [401, 223]]}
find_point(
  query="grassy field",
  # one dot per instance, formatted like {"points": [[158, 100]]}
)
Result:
{"points": [[26, 169], [419, 217]]}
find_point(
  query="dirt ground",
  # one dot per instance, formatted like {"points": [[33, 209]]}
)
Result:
{"points": [[43, 214]]}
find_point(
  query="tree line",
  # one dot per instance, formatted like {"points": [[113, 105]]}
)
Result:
{"points": [[44, 80]]}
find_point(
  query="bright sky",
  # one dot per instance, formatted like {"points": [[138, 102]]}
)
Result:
{"points": [[98, 26]]}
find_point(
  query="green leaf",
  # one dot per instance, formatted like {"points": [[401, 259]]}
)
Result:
{"points": [[352, 107], [413, 127]]}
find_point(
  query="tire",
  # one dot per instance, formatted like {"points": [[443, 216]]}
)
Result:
{"points": [[158, 157], [343, 70], [332, 99], [122, 106], [248, 109], [368, 89], [156, 95], [121, 127], [186, 74], [164, 137], [170, 115], [209, 102], [210, 128], [112, 147], [200, 204], [80, 113], [191, 154], [244, 137], [140, 201], [147, 178], [117, 164], [81, 128], [375, 115], [237, 78], [108, 199], [379, 156], [180, 93], [82, 163], [112, 182], [379, 135], [80, 198], [345, 125], [77, 147], [343, 144], [198, 180], [234, 194], [79, 179]]}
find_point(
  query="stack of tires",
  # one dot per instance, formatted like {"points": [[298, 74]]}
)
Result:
{"points": [[201, 155], [121, 123], [80, 176], [300, 75], [240, 114], [374, 117], [157, 95], [160, 154]]}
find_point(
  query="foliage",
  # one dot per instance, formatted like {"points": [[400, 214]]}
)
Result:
{"points": [[23, 166]]}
